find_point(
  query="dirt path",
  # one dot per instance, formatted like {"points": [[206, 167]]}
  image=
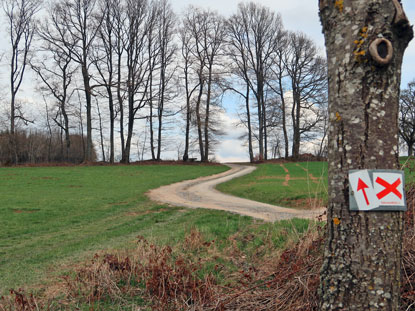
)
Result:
{"points": [[201, 193]]}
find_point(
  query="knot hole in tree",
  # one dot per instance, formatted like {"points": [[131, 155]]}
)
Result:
{"points": [[381, 50]]}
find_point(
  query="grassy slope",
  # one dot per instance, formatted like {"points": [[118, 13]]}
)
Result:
{"points": [[51, 214], [52, 218], [268, 184]]}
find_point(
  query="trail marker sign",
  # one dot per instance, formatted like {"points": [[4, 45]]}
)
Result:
{"points": [[377, 190]]}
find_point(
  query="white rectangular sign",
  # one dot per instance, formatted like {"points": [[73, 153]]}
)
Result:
{"points": [[380, 190]]}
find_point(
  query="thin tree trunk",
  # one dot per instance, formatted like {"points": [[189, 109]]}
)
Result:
{"points": [[284, 119], [161, 108], [121, 106], [295, 115], [88, 98], [248, 115], [188, 114], [362, 258], [150, 60], [264, 120], [101, 133], [159, 134], [260, 126], [207, 112], [126, 158], [81, 125], [199, 122], [112, 124], [153, 155]]}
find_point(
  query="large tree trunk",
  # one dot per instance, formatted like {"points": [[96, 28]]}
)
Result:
{"points": [[362, 258]]}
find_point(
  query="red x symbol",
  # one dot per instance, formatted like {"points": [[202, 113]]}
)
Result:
{"points": [[388, 188]]}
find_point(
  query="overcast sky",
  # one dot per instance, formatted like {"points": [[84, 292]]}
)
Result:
{"points": [[297, 15]]}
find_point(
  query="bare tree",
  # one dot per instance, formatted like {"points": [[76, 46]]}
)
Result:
{"points": [[73, 29], [105, 55], [278, 84], [21, 27], [207, 32], [255, 32], [138, 67], [166, 32], [365, 43], [56, 73], [307, 73], [407, 117], [188, 65], [161, 52]]}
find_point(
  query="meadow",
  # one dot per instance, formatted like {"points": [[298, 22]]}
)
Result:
{"points": [[94, 228], [52, 218], [298, 185], [56, 215]]}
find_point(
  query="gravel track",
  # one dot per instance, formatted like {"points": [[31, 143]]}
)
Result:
{"points": [[201, 193]]}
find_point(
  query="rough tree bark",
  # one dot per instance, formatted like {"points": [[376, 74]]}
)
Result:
{"points": [[362, 258]]}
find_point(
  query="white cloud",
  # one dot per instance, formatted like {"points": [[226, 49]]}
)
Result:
{"points": [[232, 150]]}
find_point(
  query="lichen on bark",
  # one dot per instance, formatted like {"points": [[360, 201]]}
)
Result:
{"points": [[362, 257]]}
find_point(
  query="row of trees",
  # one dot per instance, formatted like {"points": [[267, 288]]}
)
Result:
{"points": [[113, 63]]}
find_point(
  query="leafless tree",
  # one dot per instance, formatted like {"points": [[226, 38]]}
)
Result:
{"points": [[20, 16], [138, 66], [21, 27], [207, 32], [307, 73], [190, 84], [161, 52], [107, 50], [278, 84], [56, 71], [255, 32], [72, 28], [166, 31], [407, 117]]}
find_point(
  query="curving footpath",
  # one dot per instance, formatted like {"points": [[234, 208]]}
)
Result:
{"points": [[201, 193]]}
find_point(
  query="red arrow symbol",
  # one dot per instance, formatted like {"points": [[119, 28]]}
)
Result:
{"points": [[362, 186]]}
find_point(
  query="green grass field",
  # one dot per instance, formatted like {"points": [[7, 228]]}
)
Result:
{"points": [[305, 187], [289, 184], [53, 214], [52, 218]]}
